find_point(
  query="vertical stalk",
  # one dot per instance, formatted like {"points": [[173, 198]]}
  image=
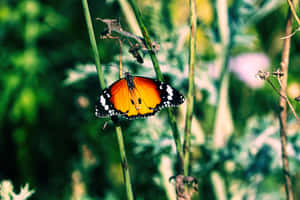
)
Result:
{"points": [[172, 119], [93, 42], [147, 39], [124, 164], [190, 95], [130, 17], [222, 120], [125, 169], [283, 107]]}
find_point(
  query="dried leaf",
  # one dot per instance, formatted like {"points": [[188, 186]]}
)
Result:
{"points": [[113, 25]]}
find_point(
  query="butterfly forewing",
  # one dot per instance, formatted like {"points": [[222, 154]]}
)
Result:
{"points": [[120, 96], [148, 91], [170, 97], [104, 106]]}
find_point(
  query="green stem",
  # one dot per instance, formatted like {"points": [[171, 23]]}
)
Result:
{"points": [[125, 169], [159, 75], [130, 17], [292, 9], [190, 95], [93, 42], [176, 136], [102, 84], [147, 39]]}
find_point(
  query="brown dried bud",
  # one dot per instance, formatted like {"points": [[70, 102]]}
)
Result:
{"points": [[261, 75], [185, 186]]}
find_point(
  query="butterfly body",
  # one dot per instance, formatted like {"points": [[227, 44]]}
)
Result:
{"points": [[136, 97]]}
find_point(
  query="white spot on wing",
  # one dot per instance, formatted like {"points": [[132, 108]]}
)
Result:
{"points": [[102, 100], [170, 93], [169, 90]]}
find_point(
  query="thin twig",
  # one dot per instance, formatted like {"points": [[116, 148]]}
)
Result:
{"points": [[172, 119], [294, 13], [124, 164], [190, 95], [290, 35], [120, 64], [113, 25], [283, 108], [287, 100], [292, 8], [121, 44], [285, 97]]}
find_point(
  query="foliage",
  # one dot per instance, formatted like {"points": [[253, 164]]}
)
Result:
{"points": [[50, 138]]}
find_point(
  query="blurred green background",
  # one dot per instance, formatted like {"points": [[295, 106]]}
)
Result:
{"points": [[50, 138]]}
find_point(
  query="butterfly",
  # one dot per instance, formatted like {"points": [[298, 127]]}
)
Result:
{"points": [[136, 97]]}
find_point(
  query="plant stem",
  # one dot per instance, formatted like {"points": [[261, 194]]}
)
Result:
{"points": [[93, 42], [159, 75], [176, 136], [147, 39], [292, 9], [130, 17], [285, 97], [283, 108], [190, 95], [125, 169], [124, 164]]}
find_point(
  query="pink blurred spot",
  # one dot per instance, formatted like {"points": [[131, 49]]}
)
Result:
{"points": [[246, 66]]}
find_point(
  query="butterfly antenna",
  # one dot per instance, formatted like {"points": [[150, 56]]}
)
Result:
{"points": [[105, 125]]}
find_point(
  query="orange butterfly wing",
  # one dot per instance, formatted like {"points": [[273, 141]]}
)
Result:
{"points": [[148, 91], [120, 95], [138, 101], [135, 97]]}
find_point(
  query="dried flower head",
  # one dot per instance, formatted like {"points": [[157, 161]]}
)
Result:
{"points": [[185, 186], [261, 75]]}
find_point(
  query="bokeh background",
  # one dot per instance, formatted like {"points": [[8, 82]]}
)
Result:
{"points": [[50, 138]]}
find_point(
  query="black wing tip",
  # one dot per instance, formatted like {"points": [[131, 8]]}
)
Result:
{"points": [[139, 116]]}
